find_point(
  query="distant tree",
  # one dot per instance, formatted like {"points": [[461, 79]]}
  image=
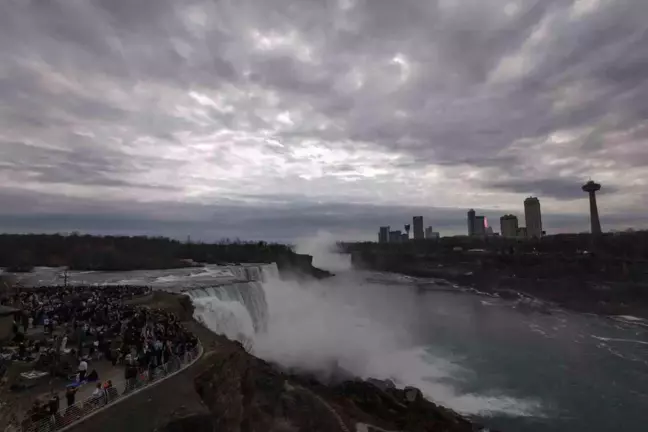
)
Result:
{"points": [[86, 252]]}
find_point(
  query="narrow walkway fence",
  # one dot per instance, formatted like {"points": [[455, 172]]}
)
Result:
{"points": [[67, 416]]}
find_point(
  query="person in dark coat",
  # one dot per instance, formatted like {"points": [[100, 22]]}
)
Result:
{"points": [[70, 394]]}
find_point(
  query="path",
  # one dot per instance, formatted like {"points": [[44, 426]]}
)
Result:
{"points": [[152, 408]]}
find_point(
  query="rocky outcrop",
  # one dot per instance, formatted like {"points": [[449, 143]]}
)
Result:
{"points": [[246, 394], [300, 265]]}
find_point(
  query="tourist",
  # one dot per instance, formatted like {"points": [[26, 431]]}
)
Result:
{"points": [[93, 376], [54, 404], [83, 369], [98, 394], [96, 319], [70, 394]]}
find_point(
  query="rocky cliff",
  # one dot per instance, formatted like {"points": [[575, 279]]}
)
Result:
{"points": [[300, 266], [246, 394], [584, 283]]}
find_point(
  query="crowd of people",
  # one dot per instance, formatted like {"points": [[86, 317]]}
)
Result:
{"points": [[77, 305], [89, 325], [80, 313]]}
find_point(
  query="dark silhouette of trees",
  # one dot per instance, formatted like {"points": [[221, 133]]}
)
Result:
{"points": [[86, 252], [627, 245]]}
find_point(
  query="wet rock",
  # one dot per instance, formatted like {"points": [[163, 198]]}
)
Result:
{"points": [[382, 384], [412, 394], [244, 393]]}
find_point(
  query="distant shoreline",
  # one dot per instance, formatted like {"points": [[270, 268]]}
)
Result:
{"points": [[570, 290], [560, 292]]}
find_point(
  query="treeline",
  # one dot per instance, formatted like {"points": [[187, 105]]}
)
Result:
{"points": [[626, 245], [22, 252]]}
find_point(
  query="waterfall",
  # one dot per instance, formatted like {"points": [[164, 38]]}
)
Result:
{"points": [[236, 309]]}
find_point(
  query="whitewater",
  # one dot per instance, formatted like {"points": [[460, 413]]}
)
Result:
{"points": [[321, 326], [513, 367]]}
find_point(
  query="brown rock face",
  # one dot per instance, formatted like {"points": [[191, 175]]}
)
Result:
{"points": [[246, 394]]}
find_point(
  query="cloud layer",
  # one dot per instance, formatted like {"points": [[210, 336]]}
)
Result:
{"points": [[272, 119]]}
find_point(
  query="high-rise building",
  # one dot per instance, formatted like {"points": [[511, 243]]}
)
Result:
{"points": [[533, 217], [383, 234], [395, 236], [404, 237], [522, 232], [431, 235], [480, 225], [428, 232], [509, 226], [471, 222], [417, 221], [591, 188]]}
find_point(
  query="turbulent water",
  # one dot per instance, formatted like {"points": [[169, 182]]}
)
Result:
{"points": [[514, 366]]}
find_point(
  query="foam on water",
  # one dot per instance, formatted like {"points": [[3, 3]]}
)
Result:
{"points": [[430, 373], [323, 325], [609, 339]]}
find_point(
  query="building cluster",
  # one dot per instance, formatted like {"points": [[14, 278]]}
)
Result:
{"points": [[386, 235], [509, 225]]}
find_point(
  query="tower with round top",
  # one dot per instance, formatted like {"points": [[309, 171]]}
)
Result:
{"points": [[591, 188]]}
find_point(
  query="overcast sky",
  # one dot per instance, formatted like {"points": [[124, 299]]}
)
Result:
{"points": [[277, 118]]}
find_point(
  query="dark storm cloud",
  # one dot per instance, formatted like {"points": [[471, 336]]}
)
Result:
{"points": [[98, 94]]}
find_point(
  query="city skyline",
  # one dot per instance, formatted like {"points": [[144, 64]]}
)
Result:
{"points": [[478, 225], [272, 120]]}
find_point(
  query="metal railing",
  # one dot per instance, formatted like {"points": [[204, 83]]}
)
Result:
{"points": [[71, 414]]}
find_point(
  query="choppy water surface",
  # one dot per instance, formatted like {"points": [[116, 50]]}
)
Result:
{"points": [[515, 367]]}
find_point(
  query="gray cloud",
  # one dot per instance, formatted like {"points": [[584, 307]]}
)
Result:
{"points": [[562, 189], [444, 104], [282, 218]]}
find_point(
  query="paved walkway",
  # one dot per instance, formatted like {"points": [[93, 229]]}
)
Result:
{"points": [[107, 372], [150, 409]]}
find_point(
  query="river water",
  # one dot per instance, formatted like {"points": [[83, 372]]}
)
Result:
{"points": [[512, 366]]}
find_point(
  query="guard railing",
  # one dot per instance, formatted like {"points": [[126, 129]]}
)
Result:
{"points": [[107, 396]]}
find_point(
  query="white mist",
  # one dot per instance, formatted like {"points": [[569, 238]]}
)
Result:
{"points": [[368, 329]]}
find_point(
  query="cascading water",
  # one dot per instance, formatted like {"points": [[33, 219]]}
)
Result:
{"points": [[344, 324], [238, 310]]}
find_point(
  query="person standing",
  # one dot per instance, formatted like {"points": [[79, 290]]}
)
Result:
{"points": [[70, 394], [83, 369]]}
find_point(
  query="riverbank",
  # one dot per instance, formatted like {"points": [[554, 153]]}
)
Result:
{"points": [[574, 291], [229, 389]]}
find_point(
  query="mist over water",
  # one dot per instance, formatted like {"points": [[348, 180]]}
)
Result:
{"points": [[367, 329], [515, 368], [322, 248], [370, 330]]}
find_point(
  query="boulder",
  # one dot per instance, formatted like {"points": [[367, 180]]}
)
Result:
{"points": [[412, 394]]}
